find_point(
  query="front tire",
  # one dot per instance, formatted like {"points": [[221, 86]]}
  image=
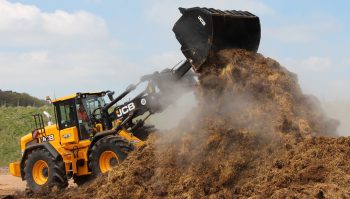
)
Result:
{"points": [[43, 170], [107, 153]]}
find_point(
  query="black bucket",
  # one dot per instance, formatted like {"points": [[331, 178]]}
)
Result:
{"points": [[202, 31]]}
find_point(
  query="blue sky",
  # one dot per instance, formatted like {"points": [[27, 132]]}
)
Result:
{"points": [[87, 45]]}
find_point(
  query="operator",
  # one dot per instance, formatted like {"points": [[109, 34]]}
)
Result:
{"points": [[82, 114], [83, 122]]}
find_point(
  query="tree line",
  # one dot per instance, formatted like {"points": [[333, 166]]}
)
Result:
{"points": [[11, 98]]}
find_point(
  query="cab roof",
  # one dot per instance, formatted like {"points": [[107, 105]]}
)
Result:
{"points": [[74, 95]]}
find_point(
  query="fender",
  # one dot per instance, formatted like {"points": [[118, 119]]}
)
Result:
{"points": [[43, 145], [99, 136]]}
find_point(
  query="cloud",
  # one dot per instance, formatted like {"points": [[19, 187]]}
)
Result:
{"points": [[163, 11], [312, 64], [324, 77], [165, 60], [62, 51], [316, 64], [26, 25], [42, 72], [309, 29]]}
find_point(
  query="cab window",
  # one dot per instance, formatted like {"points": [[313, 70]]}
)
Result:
{"points": [[66, 114], [93, 103]]}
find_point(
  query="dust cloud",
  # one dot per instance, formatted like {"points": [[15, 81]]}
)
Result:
{"points": [[174, 113], [339, 110]]}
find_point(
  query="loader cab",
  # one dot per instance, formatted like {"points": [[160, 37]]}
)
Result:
{"points": [[74, 115]]}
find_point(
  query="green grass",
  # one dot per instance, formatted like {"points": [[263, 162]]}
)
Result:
{"points": [[14, 123]]}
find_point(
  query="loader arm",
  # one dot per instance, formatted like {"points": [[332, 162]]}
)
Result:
{"points": [[201, 32], [153, 99]]}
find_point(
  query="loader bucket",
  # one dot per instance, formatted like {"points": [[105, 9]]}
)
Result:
{"points": [[203, 31]]}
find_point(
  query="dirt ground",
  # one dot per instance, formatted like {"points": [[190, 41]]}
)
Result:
{"points": [[9, 184]]}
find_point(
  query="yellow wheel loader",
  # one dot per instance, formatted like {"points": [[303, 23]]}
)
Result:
{"points": [[91, 136]]}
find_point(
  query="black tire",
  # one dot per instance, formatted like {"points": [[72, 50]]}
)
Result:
{"points": [[116, 144], [80, 180], [55, 172]]}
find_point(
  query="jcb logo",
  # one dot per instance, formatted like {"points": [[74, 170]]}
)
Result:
{"points": [[125, 109], [201, 20], [47, 138]]}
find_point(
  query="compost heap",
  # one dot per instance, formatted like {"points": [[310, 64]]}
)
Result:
{"points": [[252, 134]]}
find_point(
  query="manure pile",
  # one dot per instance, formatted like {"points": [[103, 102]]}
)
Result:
{"points": [[253, 134]]}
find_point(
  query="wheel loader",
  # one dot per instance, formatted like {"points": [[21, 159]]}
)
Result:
{"points": [[91, 136]]}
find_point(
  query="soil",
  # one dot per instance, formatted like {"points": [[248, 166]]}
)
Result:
{"points": [[10, 185], [253, 134]]}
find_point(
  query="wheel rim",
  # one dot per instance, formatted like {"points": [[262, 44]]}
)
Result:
{"points": [[107, 161], [40, 172]]}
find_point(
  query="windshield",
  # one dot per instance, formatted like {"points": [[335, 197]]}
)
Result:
{"points": [[94, 103]]}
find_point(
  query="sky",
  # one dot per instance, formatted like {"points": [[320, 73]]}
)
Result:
{"points": [[60, 47]]}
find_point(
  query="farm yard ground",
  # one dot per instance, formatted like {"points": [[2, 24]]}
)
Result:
{"points": [[9, 184]]}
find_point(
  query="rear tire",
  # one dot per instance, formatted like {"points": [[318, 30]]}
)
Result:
{"points": [[107, 153], [43, 170]]}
